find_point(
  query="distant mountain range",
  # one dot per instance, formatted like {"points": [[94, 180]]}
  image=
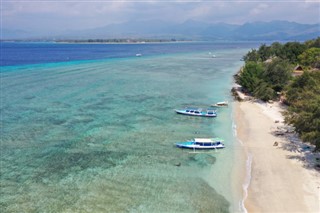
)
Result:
{"points": [[190, 30]]}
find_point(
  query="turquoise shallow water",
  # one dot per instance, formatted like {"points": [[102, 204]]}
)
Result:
{"points": [[99, 136]]}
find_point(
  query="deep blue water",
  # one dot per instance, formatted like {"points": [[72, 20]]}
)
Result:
{"points": [[19, 53]]}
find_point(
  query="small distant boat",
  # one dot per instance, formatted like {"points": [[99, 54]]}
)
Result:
{"points": [[138, 54], [197, 112], [212, 56], [221, 104], [202, 143]]}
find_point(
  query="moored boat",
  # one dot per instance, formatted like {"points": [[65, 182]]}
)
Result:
{"points": [[220, 104], [202, 143], [197, 112]]}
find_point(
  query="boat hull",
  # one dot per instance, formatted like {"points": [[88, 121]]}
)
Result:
{"points": [[192, 145], [201, 114], [220, 104]]}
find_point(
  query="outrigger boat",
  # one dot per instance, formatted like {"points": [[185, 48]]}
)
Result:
{"points": [[202, 143], [197, 112], [220, 104]]}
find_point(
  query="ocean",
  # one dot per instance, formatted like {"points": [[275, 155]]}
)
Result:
{"points": [[92, 127]]}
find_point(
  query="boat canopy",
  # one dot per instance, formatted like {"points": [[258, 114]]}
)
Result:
{"points": [[218, 139], [193, 108], [203, 140], [208, 140]]}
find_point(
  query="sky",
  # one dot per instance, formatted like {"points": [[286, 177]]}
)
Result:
{"points": [[64, 15]]}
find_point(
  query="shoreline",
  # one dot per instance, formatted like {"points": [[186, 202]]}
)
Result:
{"points": [[240, 175], [280, 178]]}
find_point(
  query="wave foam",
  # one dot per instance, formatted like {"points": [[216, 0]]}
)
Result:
{"points": [[234, 128], [246, 183]]}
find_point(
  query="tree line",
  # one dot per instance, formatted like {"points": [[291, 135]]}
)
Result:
{"points": [[268, 75]]}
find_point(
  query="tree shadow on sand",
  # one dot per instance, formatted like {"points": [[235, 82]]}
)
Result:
{"points": [[302, 152]]}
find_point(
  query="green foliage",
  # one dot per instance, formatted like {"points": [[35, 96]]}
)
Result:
{"points": [[264, 52], [252, 56], [313, 43], [310, 57], [291, 50], [264, 91], [304, 111], [264, 80], [277, 73], [251, 75], [276, 49]]}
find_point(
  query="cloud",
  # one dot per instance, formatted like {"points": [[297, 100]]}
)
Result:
{"points": [[259, 9], [53, 15]]}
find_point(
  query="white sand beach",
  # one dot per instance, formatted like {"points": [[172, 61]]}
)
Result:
{"points": [[283, 177]]}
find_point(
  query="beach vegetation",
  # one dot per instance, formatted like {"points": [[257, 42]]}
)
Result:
{"points": [[292, 50], [269, 72], [251, 75], [251, 56], [304, 106], [277, 73], [264, 91], [310, 57], [264, 80], [313, 43], [264, 52]]}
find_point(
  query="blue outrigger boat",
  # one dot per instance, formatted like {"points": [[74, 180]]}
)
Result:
{"points": [[197, 112], [202, 143]]}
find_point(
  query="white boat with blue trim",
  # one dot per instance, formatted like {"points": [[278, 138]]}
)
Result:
{"points": [[202, 143], [197, 112]]}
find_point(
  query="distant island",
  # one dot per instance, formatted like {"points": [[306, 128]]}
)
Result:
{"points": [[118, 40], [158, 31], [101, 41]]}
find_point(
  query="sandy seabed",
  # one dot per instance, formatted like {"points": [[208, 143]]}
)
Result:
{"points": [[282, 175]]}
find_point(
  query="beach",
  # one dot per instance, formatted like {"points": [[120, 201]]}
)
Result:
{"points": [[281, 176]]}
